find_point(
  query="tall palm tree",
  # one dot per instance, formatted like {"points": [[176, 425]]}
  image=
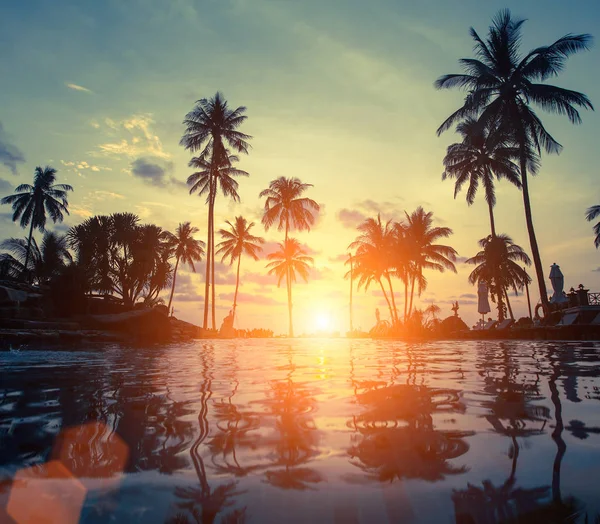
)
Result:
{"points": [[207, 181], [235, 242], [502, 84], [499, 265], [30, 203], [211, 127], [485, 151], [285, 206], [290, 259], [421, 235], [185, 248], [373, 258], [42, 262], [590, 215]]}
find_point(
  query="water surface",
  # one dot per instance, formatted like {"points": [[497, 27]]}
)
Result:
{"points": [[311, 430]]}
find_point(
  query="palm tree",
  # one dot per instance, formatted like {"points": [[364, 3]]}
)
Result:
{"points": [[207, 181], [290, 258], [499, 266], [185, 248], [211, 126], [421, 235], [40, 263], [485, 151], [285, 206], [30, 203], [235, 242], [373, 258], [501, 85], [590, 215]]}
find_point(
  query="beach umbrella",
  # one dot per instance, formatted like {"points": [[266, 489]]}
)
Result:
{"points": [[558, 282], [483, 304]]}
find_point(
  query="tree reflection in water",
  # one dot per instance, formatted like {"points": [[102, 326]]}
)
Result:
{"points": [[396, 437], [204, 503]]}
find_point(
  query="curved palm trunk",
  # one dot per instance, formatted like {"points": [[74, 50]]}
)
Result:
{"points": [[405, 297], [561, 447], [395, 316], [351, 289], [500, 299], [237, 285], [173, 286], [412, 293], [535, 252], [386, 299], [28, 249], [291, 326]]}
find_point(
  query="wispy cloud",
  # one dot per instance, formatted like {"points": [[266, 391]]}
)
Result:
{"points": [[10, 155], [139, 139], [79, 167], [76, 87]]}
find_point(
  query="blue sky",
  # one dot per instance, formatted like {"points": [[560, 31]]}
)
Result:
{"points": [[338, 93]]}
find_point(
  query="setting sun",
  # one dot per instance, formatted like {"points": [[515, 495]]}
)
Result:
{"points": [[323, 321]]}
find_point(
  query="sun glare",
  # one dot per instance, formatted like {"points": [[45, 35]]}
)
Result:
{"points": [[323, 321]]}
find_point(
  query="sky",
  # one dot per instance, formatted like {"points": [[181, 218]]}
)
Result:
{"points": [[338, 93]]}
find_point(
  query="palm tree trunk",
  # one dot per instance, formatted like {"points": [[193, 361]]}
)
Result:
{"points": [[405, 297], [351, 289], [499, 298], [412, 292], [28, 248], [510, 311], [535, 252], [561, 447], [386, 299], [395, 317], [173, 287], [492, 223], [207, 276], [212, 260], [237, 285], [291, 326]]}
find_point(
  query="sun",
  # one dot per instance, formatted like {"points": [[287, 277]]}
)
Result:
{"points": [[323, 321]]}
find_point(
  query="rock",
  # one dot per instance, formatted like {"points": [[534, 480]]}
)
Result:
{"points": [[142, 325]]}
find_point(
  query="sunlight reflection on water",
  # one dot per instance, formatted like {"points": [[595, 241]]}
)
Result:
{"points": [[312, 430]]}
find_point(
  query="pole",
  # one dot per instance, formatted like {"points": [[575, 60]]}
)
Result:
{"points": [[528, 299], [351, 286]]}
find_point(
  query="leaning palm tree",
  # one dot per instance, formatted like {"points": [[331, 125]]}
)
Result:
{"points": [[502, 84], [289, 260], [499, 265], [485, 151], [185, 248], [421, 236], [236, 241], [211, 127], [373, 258], [30, 203], [590, 215]]}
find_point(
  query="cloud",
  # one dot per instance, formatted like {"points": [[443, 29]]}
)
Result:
{"points": [[323, 273], [462, 260], [79, 167], [155, 171], [263, 279], [350, 218], [76, 87], [104, 195], [597, 269], [80, 211], [468, 295], [10, 155], [185, 288], [139, 141], [339, 258], [5, 187]]}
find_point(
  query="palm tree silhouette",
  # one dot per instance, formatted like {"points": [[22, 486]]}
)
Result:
{"points": [[485, 151], [421, 235], [183, 246], [373, 251], [237, 241], [211, 126], [30, 203], [497, 266], [43, 262], [207, 181], [285, 205], [590, 215], [289, 260], [501, 85]]}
